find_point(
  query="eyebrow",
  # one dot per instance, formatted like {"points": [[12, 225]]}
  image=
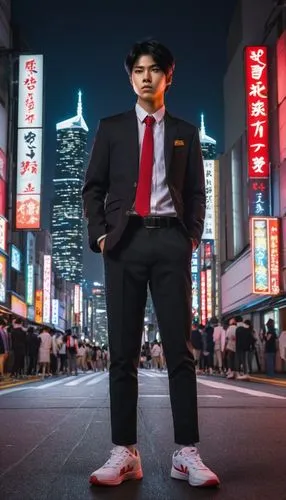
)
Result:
{"points": [[142, 67]]}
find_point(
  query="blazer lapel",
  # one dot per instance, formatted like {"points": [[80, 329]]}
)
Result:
{"points": [[131, 134], [170, 136]]}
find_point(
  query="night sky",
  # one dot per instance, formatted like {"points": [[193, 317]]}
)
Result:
{"points": [[84, 44]]}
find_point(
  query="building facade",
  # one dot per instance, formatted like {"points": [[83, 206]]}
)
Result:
{"points": [[67, 219], [259, 25]]}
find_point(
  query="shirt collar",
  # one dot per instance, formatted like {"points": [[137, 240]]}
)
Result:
{"points": [[141, 113]]}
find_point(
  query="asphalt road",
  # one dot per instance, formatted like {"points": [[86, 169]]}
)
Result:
{"points": [[56, 432]]}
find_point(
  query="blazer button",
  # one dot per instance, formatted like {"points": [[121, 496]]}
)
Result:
{"points": [[135, 184]]}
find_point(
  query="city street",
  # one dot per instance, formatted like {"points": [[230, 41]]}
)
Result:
{"points": [[54, 433]]}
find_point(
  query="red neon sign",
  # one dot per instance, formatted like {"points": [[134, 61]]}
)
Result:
{"points": [[256, 68]]}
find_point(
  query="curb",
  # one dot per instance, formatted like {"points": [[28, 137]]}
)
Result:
{"points": [[10, 385], [269, 381]]}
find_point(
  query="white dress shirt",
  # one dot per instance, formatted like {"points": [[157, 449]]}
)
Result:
{"points": [[161, 202]]}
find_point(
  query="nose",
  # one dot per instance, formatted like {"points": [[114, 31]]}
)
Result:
{"points": [[147, 77]]}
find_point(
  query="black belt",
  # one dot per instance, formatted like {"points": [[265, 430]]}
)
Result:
{"points": [[155, 221]]}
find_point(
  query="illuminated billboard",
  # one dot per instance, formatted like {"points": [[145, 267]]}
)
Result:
{"points": [[265, 242], [47, 288], [15, 258], [203, 298], [29, 155], [3, 234], [210, 217], [39, 306], [18, 306], [3, 278]]}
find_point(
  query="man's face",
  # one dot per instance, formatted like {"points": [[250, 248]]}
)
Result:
{"points": [[148, 80]]}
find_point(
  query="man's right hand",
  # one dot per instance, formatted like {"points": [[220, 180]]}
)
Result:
{"points": [[101, 245]]}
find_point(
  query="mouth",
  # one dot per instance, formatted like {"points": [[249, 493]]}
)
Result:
{"points": [[147, 87]]}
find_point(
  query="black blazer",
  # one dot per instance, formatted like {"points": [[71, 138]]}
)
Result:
{"points": [[112, 175]]}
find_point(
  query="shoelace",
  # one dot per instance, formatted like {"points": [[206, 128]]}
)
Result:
{"points": [[118, 456], [192, 457]]}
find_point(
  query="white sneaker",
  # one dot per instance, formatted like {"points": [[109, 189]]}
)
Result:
{"points": [[187, 465], [122, 465]]}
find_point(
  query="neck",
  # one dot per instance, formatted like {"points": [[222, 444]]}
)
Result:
{"points": [[151, 106]]}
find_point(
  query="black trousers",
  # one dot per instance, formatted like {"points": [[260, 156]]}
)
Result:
{"points": [[161, 258]]}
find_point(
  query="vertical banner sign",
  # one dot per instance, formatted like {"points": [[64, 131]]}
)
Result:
{"points": [[203, 297], [3, 234], [209, 293], [76, 304], [209, 226], [47, 288], [30, 284], [3, 278], [39, 306], [30, 266], [29, 157], [195, 273], [265, 255], [256, 68], [55, 312], [3, 220]]}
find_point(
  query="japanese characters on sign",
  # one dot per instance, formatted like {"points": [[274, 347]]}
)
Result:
{"points": [[30, 284], [47, 288], [39, 306], [265, 255], [30, 111], [259, 197], [55, 312], [29, 158], [209, 227], [257, 111]]}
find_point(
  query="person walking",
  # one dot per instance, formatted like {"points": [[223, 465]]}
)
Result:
{"points": [[144, 200]]}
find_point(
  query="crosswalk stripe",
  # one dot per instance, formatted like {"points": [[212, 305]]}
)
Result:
{"points": [[95, 380], [153, 374], [236, 388], [80, 380], [47, 384]]}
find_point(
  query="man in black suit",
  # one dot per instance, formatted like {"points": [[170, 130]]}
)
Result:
{"points": [[144, 200]]}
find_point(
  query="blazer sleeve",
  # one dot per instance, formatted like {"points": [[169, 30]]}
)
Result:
{"points": [[194, 195], [96, 186]]}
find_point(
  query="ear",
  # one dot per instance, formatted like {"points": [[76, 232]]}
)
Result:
{"points": [[169, 80]]}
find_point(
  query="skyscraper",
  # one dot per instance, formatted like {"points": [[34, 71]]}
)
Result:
{"points": [[208, 144], [67, 220]]}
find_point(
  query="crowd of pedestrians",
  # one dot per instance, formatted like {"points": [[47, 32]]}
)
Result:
{"points": [[26, 351], [235, 349]]}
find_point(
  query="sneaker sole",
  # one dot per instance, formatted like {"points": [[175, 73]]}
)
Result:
{"points": [[116, 482], [175, 474]]}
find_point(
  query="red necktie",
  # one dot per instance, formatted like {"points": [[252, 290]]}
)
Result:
{"points": [[143, 193]]}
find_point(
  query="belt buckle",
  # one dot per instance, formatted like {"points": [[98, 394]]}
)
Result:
{"points": [[149, 223]]}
